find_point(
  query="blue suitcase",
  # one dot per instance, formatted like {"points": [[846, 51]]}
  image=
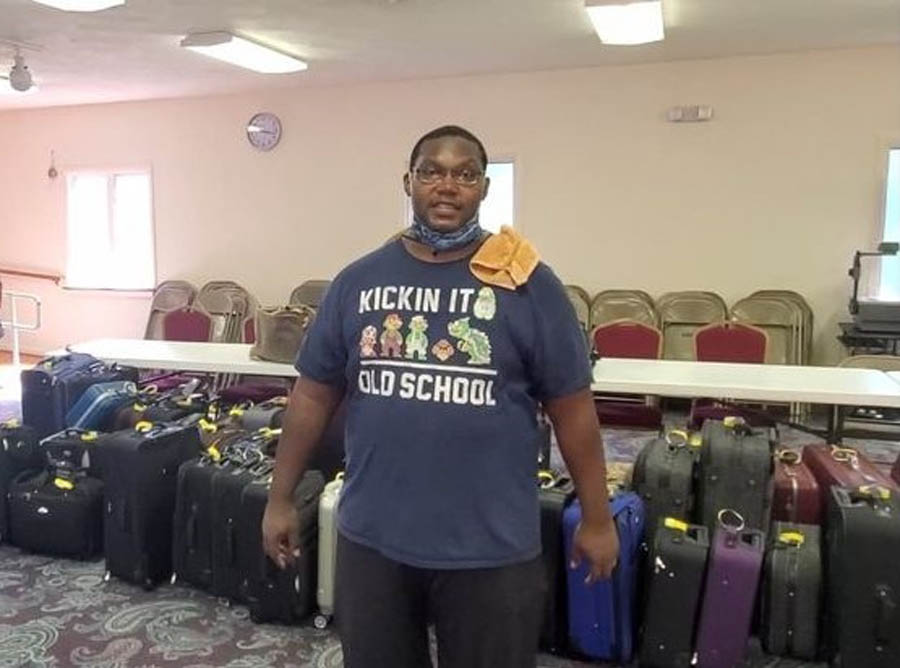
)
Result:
{"points": [[602, 616], [98, 405]]}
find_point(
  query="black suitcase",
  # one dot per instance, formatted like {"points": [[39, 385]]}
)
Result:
{"points": [[227, 490], [863, 587], [735, 472], [141, 470], [193, 522], [18, 452], [53, 386], [266, 414], [664, 478], [555, 494], [791, 600], [56, 512], [273, 595], [675, 574]]}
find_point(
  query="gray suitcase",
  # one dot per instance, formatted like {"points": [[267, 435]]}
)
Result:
{"points": [[328, 534], [735, 473], [792, 591]]}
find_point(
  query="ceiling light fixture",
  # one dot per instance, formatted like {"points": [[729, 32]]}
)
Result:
{"points": [[81, 5], [20, 76], [620, 22], [7, 89], [242, 52]]}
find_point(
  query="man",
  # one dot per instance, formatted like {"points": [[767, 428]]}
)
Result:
{"points": [[443, 372]]}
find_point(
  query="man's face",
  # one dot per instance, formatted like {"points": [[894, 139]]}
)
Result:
{"points": [[447, 183]]}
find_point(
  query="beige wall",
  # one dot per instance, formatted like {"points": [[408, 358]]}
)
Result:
{"points": [[777, 191]]}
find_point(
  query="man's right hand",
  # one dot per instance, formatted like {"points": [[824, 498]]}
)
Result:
{"points": [[281, 532]]}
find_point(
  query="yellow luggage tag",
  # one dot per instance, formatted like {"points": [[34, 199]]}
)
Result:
{"points": [[214, 453], [207, 426], [12, 423], [143, 426], [268, 432], [875, 492], [64, 484], [678, 525], [89, 436], [793, 538]]}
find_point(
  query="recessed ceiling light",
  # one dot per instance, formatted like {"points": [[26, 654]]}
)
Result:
{"points": [[620, 22], [81, 5], [242, 52]]}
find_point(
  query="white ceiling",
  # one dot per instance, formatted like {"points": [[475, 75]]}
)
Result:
{"points": [[132, 52]]}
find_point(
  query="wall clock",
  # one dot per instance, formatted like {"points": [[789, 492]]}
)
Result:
{"points": [[264, 131]]}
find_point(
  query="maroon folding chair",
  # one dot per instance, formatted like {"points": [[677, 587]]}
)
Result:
{"points": [[727, 342], [186, 325], [627, 338]]}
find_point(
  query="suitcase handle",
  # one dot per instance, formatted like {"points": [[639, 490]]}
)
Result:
{"points": [[886, 608]]}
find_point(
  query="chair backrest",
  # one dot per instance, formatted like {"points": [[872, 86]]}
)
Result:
{"points": [[611, 305], [731, 342], [309, 293], [581, 302], [229, 305], [683, 313], [878, 362], [781, 320], [186, 325], [799, 303], [167, 296], [627, 338]]}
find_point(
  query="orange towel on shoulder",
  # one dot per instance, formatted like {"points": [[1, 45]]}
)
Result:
{"points": [[506, 260]]}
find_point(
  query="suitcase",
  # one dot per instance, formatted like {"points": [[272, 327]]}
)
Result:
{"points": [[895, 471], [602, 615], [18, 452], [141, 470], [791, 601], [732, 579], [274, 595], [555, 494], [796, 497], [664, 477], [675, 574], [56, 512], [327, 557], [844, 467], [152, 407], [227, 490], [735, 472], [98, 405], [53, 386], [193, 521], [266, 414], [863, 578]]}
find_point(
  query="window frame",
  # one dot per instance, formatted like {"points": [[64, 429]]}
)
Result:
{"points": [[110, 173]]}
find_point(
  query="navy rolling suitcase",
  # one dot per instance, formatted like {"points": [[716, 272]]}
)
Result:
{"points": [[602, 616], [274, 595], [53, 386], [140, 469]]}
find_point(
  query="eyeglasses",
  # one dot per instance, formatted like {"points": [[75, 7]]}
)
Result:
{"points": [[461, 176]]}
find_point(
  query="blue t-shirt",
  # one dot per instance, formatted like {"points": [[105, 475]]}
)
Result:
{"points": [[443, 374]]}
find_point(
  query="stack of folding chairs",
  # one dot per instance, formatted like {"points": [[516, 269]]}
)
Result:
{"points": [[681, 314]]}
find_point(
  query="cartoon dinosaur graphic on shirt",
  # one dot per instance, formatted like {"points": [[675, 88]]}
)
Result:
{"points": [[471, 341], [391, 338], [416, 341]]}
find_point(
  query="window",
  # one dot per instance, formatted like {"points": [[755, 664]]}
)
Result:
{"points": [[890, 266], [110, 231], [498, 207]]}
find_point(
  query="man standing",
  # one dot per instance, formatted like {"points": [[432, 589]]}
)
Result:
{"points": [[438, 518]]}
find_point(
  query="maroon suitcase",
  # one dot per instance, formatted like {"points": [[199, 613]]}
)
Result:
{"points": [[844, 467], [895, 472], [797, 498], [735, 569]]}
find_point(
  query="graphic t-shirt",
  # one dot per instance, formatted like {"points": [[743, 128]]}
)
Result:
{"points": [[443, 374]]}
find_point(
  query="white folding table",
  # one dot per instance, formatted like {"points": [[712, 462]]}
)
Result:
{"points": [[748, 382], [225, 358]]}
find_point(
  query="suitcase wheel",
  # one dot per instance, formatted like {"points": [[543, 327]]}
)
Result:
{"points": [[321, 622], [174, 578], [106, 576], [147, 585]]}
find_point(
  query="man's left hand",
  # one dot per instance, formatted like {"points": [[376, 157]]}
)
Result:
{"points": [[599, 545]]}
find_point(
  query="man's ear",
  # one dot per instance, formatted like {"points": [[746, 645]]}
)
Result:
{"points": [[487, 186], [406, 186]]}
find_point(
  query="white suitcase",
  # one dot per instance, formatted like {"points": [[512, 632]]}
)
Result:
{"points": [[328, 502]]}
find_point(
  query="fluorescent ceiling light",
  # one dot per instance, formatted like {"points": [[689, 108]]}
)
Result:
{"points": [[627, 23], [242, 52], [81, 5]]}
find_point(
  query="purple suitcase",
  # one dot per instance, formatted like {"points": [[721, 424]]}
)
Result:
{"points": [[735, 568]]}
